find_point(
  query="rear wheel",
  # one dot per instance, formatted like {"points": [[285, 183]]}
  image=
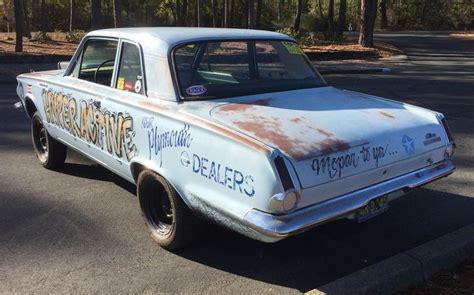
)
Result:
{"points": [[170, 222], [49, 152]]}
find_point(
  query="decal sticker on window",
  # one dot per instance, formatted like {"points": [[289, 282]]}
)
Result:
{"points": [[293, 48], [128, 86], [120, 82], [196, 90], [138, 86]]}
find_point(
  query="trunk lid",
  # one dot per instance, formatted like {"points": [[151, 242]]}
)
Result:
{"points": [[329, 134]]}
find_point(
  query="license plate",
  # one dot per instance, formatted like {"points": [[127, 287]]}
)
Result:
{"points": [[373, 208]]}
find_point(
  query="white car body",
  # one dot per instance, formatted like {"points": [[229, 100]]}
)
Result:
{"points": [[235, 160]]}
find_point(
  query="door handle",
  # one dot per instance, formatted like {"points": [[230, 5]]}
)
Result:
{"points": [[97, 104]]}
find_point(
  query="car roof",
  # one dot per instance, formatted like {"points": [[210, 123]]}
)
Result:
{"points": [[165, 38]]}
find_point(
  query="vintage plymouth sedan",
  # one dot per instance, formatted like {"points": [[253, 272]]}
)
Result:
{"points": [[232, 125]]}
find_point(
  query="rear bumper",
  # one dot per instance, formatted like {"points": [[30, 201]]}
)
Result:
{"points": [[271, 228]]}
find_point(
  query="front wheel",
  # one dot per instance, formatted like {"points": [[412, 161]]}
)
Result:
{"points": [[49, 152], [170, 222]]}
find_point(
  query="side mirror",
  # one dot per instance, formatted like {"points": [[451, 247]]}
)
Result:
{"points": [[62, 65]]}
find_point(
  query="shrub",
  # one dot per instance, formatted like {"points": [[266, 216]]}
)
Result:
{"points": [[75, 36], [40, 36], [303, 38]]}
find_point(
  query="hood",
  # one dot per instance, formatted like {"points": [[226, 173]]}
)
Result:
{"points": [[313, 126]]}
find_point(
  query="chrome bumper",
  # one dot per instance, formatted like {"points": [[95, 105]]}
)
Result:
{"points": [[276, 227]]}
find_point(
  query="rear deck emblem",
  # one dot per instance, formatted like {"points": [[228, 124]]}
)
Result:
{"points": [[408, 145]]}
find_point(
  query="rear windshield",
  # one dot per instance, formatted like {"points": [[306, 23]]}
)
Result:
{"points": [[233, 68]]}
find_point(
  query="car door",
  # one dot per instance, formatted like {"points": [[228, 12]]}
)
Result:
{"points": [[120, 111], [85, 88]]}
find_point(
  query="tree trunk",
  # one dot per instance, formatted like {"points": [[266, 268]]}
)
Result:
{"points": [[331, 19], [224, 13], [72, 10], [184, 13], [232, 14], [251, 14], [26, 30], [44, 16], [467, 20], [117, 7], [383, 14], [96, 14], [34, 15], [214, 13], [177, 12], [19, 21], [341, 22], [197, 13], [259, 14], [320, 5], [367, 20], [299, 11], [279, 9]]}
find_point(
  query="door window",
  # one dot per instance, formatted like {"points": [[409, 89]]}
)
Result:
{"points": [[97, 62], [130, 74]]}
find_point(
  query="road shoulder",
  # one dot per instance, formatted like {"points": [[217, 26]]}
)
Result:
{"points": [[408, 268]]}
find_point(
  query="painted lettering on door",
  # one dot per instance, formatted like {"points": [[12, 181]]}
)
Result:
{"points": [[112, 131]]}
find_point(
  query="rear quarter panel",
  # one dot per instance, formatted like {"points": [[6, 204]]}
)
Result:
{"points": [[205, 166]]}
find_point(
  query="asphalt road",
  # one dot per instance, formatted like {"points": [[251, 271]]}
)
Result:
{"points": [[79, 229]]}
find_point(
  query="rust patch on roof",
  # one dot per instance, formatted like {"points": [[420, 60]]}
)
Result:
{"points": [[388, 115], [296, 120]]}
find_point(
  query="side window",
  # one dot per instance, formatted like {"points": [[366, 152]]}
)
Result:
{"points": [[130, 75], [97, 62]]}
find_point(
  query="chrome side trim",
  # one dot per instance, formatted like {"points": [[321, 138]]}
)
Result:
{"points": [[281, 226]]}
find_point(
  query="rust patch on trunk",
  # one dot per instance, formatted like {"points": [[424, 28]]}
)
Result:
{"points": [[330, 145], [269, 130], [296, 120], [324, 132], [388, 115], [234, 107], [243, 106], [262, 102], [203, 123]]}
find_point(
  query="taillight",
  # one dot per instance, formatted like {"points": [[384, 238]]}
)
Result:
{"points": [[283, 173], [446, 128]]}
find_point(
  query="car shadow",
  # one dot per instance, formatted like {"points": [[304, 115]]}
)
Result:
{"points": [[326, 253], [79, 166]]}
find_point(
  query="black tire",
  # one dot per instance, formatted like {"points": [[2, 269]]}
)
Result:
{"points": [[170, 222], [49, 152]]}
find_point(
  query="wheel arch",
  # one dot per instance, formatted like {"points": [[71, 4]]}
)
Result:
{"points": [[30, 106], [137, 167]]}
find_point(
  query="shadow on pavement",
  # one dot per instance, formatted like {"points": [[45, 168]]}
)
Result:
{"points": [[336, 249], [95, 172]]}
